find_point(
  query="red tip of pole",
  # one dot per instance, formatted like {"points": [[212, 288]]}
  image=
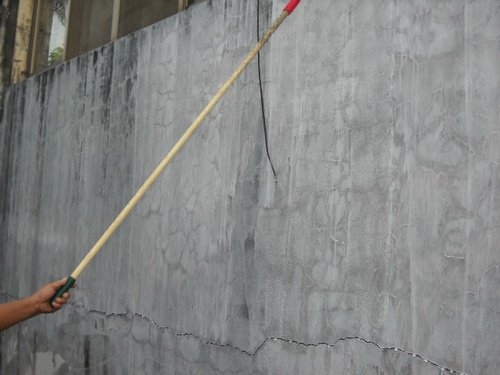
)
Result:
{"points": [[292, 5]]}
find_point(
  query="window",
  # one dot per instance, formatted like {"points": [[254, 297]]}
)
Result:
{"points": [[40, 36], [93, 23], [57, 32]]}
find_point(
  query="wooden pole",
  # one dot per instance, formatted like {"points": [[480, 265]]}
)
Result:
{"points": [[177, 147]]}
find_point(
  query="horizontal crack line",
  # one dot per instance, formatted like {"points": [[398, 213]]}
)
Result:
{"points": [[7, 295], [269, 339]]}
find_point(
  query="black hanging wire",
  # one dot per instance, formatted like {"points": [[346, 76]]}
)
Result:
{"points": [[262, 106]]}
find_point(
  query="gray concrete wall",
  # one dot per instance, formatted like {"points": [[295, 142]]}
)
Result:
{"points": [[376, 252]]}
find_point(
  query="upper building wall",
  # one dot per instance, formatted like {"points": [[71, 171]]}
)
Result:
{"points": [[381, 232], [48, 32]]}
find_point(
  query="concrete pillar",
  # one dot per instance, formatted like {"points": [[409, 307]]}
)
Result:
{"points": [[8, 19], [20, 63]]}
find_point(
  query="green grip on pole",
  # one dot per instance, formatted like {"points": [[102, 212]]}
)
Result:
{"points": [[69, 283]]}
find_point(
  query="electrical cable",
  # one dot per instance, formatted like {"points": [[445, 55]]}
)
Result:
{"points": [[262, 106]]}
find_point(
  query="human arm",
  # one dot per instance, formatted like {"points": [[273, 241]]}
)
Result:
{"points": [[39, 303]]}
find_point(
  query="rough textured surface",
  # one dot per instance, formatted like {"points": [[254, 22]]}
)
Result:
{"points": [[382, 231], [8, 19]]}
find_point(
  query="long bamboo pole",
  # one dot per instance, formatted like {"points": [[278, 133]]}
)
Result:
{"points": [[173, 152]]}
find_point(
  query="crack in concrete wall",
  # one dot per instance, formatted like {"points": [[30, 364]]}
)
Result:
{"points": [[131, 315], [258, 348]]}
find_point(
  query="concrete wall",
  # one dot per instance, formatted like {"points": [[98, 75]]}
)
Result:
{"points": [[376, 252]]}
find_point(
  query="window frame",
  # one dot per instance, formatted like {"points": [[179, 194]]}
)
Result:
{"points": [[28, 35]]}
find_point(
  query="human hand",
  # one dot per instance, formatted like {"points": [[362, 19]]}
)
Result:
{"points": [[41, 299]]}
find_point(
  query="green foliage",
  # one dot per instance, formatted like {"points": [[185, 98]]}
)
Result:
{"points": [[56, 55]]}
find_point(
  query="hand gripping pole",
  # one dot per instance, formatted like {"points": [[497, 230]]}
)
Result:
{"points": [[180, 143]]}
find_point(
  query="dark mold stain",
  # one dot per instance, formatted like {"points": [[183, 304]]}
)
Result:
{"points": [[250, 242], [244, 311], [86, 354]]}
